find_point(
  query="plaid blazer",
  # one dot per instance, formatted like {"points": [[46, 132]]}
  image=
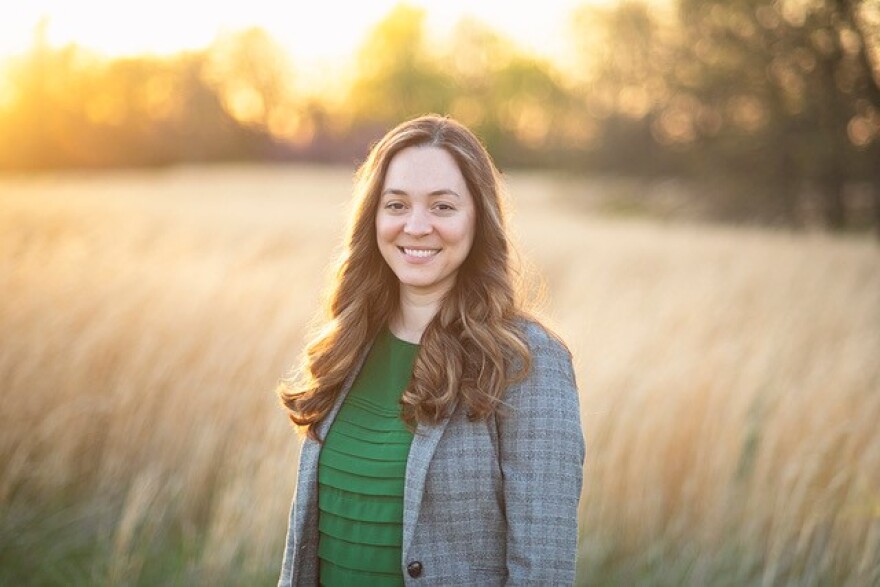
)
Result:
{"points": [[490, 502]]}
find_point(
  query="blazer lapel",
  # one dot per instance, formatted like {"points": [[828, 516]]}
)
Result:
{"points": [[307, 480], [420, 452]]}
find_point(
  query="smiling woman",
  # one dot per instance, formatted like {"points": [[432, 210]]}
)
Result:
{"points": [[424, 227], [432, 396]]}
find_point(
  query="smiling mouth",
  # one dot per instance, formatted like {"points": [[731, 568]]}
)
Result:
{"points": [[419, 253]]}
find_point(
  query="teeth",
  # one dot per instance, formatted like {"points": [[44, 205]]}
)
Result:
{"points": [[421, 252]]}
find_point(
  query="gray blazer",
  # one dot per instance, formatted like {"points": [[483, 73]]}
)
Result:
{"points": [[491, 502]]}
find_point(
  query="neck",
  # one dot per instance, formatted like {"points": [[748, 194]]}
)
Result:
{"points": [[413, 314]]}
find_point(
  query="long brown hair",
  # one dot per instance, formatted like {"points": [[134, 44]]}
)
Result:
{"points": [[472, 349]]}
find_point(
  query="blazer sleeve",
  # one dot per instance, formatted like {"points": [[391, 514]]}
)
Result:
{"points": [[541, 455]]}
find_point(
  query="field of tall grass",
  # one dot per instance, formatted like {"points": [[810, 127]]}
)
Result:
{"points": [[730, 381]]}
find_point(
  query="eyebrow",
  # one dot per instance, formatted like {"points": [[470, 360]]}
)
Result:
{"points": [[440, 192]]}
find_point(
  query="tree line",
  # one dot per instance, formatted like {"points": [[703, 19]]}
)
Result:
{"points": [[777, 99]]}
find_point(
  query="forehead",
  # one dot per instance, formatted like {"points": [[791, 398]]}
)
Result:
{"points": [[424, 169]]}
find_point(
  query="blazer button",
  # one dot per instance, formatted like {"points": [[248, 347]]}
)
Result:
{"points": [[414, 569]]}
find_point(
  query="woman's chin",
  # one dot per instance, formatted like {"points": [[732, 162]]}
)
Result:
{"points": [[422, 284]]}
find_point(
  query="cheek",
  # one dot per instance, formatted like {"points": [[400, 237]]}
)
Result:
{"points": [[463, 234], [385, 229]]}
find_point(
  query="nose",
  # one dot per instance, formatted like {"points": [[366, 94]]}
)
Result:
{"points": [[418, 223]]}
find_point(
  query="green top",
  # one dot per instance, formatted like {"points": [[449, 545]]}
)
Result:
{"points": [[361, 473]]}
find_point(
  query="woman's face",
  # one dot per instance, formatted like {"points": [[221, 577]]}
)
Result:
{"points": [[425, 220]]}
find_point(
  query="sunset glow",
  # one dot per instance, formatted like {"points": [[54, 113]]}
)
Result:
{"points": [[318, 31]]}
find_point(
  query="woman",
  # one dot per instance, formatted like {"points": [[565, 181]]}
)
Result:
{"points": [[444, 443]]}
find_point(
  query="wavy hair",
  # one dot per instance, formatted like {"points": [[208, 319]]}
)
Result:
{"points": [[474, 346]]}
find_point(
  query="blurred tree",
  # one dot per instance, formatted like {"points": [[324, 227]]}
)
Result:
{"points": [[69, 108], [396, 77], [789, 79], [41, 115], [514, 101], [778, 96], [254, 79], [473, 56], [201, 127], [624, 53], [864, 129]]}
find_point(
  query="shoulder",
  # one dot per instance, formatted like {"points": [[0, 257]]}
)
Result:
{"points": [[548, 393], [550, 369], [542, 342]]}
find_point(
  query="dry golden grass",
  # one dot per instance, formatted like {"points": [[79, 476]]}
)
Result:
{"points": [[730, 381]]}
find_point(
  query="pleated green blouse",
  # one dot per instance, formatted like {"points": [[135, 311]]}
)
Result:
{"points": [[361, 473]]}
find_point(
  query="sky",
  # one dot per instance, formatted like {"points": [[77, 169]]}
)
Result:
{"points": [[319, 31]]}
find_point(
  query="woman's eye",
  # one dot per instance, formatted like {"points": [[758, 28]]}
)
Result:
{"points": [[444, 207], [394, 206]]}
